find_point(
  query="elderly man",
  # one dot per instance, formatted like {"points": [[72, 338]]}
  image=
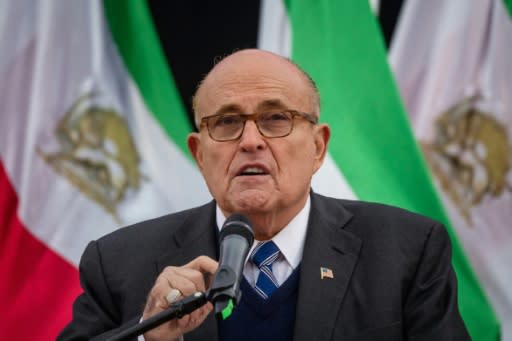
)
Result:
{"points": [[333, 269]]}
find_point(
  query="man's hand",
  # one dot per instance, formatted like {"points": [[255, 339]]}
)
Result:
{"points": [[188, 279]]}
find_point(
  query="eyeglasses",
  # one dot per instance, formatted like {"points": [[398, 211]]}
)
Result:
{"points": [[230, 126]]}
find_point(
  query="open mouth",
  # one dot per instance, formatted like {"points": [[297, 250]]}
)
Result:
{"points": [[253, 171]]}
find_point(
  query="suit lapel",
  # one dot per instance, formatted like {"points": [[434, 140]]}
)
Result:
{"points": [[196, 236], [327, 245]]}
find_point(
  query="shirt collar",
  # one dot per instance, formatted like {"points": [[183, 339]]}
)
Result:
{"points": [[290, 239]]}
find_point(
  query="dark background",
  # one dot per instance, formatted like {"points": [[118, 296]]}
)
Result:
{"points": [[195, 33]]}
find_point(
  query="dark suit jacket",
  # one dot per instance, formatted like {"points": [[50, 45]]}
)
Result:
{"points": [[393, 278]]}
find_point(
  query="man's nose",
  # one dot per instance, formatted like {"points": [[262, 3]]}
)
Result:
{"points": [[251, 138]]}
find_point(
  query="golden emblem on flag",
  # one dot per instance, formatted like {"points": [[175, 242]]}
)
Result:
{"points": [[470, 155], [97, 153]]}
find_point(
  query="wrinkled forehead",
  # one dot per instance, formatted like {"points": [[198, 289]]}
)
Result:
{"points": [[249, 79]]}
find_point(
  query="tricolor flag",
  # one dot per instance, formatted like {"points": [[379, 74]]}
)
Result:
{"points": [[457, 87], [92, 137], [373, 153]]}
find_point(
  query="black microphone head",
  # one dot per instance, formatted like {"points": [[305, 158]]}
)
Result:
{"points": [[237, 224], [235, 240]]}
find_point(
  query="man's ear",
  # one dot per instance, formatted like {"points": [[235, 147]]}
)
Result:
{"points": [[322, 136], [194, 146]]}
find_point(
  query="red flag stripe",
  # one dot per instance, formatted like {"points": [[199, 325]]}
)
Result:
{"points": [[37, 286]]}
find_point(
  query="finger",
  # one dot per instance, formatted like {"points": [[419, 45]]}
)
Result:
{"points": [[191, 321], [156, 301], [203, 264], [187, 281], [194, 271]]}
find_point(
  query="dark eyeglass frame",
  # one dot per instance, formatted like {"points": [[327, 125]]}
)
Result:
{"points": [[311, 118]]}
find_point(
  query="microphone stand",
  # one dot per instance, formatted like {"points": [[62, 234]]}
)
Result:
{"points": [[223, 294], [177, 310]]}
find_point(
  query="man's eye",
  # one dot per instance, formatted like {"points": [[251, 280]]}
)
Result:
{"points": [[227, 121], [276, 116]]}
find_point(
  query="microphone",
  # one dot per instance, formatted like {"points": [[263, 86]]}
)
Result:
{"points": [[236, 238]]}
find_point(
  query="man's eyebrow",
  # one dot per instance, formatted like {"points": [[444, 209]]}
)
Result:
{"points": [[268, 104], [229, 108], [271, 104]]}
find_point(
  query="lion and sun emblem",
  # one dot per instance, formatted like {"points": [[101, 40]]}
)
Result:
{"points": [[96, 153], [470, 155]]}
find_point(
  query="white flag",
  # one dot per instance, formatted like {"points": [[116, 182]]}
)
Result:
{"points": [[453, 63]]}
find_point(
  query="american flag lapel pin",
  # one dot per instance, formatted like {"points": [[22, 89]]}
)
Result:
{"points": [[326, 273]]}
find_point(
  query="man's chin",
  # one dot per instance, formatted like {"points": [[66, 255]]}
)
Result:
{"points": [[251, 201]]}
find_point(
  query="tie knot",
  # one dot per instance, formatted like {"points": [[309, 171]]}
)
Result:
{"points": [[264, 254]]}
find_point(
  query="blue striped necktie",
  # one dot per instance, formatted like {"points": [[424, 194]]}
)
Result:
{"points": [[263, 255]]}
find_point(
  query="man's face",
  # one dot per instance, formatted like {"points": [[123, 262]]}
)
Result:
{"points": [[256, 175]]}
